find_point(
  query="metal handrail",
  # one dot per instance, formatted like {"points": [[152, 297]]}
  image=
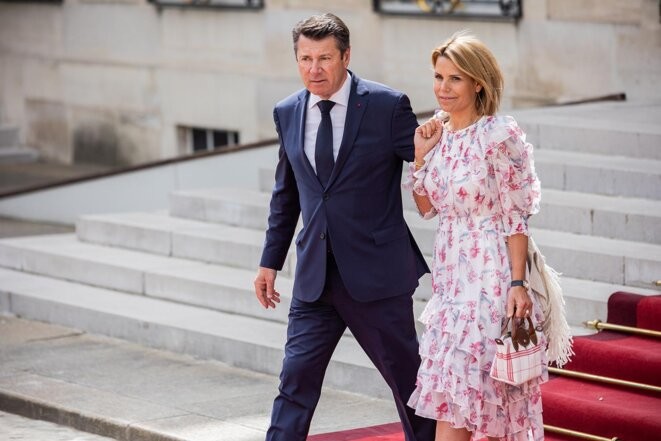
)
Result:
{"points": [[576, 434], [602, 379], [599, 326]]}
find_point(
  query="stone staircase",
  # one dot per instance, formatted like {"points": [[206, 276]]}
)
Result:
{"points": [[181, 279]]}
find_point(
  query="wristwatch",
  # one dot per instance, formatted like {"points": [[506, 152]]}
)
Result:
{"points": [[523, 283]]}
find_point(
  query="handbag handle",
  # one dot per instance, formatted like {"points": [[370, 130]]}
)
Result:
{"points": [[520, 335]]}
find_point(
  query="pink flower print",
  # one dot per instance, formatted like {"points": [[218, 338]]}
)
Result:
{"points": [[497, 290], [477, 348], [486, 257], [442, 409], [461, 194], [433, 348], [535, 397], [427, 398], [475, 250], [490, 204], [472, 276], [521, 420], [494, 316], [479, 197], [442, 255]]}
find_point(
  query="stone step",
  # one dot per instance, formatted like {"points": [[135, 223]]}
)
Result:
{"points": [[614, 217], [212, 286], [587, 257], [174, 279], [240, 341], [633, 219], [17, 155], [118, 230], [218, 287], [599, 174], [241, 247], [110, 231], [620, 129], [580, 172], [230, 206], [9, 136], [588, 300], [160, 233]]}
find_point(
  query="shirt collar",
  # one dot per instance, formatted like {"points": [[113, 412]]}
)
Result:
{"points": [[339, 97]]}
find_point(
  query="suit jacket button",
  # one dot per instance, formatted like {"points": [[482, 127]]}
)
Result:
{"points": [[326, 197], [322, 236]]}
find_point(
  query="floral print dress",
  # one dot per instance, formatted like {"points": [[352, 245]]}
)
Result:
{"points": [[482, 184]]}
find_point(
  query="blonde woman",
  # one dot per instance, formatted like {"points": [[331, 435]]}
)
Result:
{"points": [[474, 170]]}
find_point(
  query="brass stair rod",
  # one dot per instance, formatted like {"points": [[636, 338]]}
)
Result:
{"points": [[599, 325], [574, 433], [601, 379]]}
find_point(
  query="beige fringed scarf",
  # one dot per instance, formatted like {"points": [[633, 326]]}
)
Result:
{"points": [[545, 285]]}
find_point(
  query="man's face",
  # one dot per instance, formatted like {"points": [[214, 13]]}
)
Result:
{"points": [[321, 66]]}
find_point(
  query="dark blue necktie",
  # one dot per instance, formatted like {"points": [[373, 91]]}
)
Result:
{"points": [[323, 153]]}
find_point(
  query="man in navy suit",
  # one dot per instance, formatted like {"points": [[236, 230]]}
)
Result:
{"points": [[357, 263]]}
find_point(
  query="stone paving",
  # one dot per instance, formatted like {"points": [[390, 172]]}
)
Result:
{"points": [[123, 390], [18, 428]]}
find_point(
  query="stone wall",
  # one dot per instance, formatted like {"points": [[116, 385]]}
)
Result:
{"points": [[111, 80]]}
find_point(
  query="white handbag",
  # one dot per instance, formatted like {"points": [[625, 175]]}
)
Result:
{"points": [[518, 355]]}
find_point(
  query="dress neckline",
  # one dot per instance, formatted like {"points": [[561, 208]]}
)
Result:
{"points": [[445, 127]]}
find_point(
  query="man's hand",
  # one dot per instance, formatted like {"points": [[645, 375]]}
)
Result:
{"points": [[426, 137], [264, 287]]}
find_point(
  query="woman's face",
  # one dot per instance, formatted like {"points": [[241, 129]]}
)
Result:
{"points": [[454, 90]]}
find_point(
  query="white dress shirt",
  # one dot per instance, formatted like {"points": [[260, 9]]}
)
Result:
{"points": [[338, 116]]}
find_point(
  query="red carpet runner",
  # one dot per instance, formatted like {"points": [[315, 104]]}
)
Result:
{"points": [[584, 406], [385, 432]]}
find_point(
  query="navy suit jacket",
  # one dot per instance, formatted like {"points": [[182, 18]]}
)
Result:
{"points": [[360, 210]]}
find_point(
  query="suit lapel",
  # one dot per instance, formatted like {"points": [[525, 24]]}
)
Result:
{"points": [[300, 112], [358, 99]]}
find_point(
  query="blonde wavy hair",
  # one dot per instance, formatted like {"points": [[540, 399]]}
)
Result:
{"points": [[474, 59]]}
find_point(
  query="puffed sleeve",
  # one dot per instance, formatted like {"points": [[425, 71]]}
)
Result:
{"points": [[414, 181], [514, 169]]}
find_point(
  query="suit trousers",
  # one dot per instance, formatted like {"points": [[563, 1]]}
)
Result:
{"points": [[385, 329]]}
